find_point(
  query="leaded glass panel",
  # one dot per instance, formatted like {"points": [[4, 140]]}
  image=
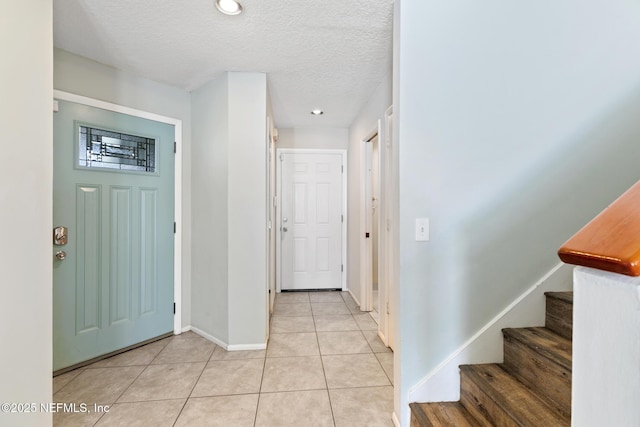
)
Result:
{"points": [[99, 148]]}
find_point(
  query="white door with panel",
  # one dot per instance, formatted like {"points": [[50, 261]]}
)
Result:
{"points": [[311, 220], [114, 194]]}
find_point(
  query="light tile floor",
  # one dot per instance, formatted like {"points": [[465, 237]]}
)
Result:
{"points": [[324, 366]]}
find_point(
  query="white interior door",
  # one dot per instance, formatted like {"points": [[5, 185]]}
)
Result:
{"points": [[311, 220]]}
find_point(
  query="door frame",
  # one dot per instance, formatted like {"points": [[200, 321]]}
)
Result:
{"points": [[366, 248], [278, 201], [177, 210], [389, 185], [387, 226], [271, 213]]}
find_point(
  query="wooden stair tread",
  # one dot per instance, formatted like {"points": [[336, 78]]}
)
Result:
{"points": [[564, 296], [507, 400], [543, 341], [441, 414]]}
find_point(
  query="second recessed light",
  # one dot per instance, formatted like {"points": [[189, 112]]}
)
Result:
{"points": [[317, 112]]}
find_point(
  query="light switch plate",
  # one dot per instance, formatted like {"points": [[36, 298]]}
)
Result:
{"points": [[422, 229]]}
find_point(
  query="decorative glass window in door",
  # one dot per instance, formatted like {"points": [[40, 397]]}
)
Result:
{"points": [[107, 149]]}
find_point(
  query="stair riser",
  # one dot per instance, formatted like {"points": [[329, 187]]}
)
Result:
{"points": [[549, 380], [480, 405], [559, 317], [494, 396]]}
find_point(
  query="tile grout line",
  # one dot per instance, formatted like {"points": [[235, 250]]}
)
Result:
{"points": [[70, 381], [264, 368], [324, 373], [87, 367], [123, 392], [194, 385]]}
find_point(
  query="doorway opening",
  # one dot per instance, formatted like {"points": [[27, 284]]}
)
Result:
{"points": [[378, 217], [373, 220]]}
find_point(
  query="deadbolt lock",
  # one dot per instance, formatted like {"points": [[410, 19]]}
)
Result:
{"points": [[60, 236]]}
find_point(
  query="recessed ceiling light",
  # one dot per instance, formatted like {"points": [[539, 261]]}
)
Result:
{"points": [[317, 112], [229, 7]]}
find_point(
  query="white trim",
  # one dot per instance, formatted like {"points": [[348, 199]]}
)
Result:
{"points": [[219, 342], [442, 384], [271, 235], [246, 347], [278, 225], [366, 254], [389, 227], [356, 300], [394, 419], [382, 337], [177, 245], [211, 338]]}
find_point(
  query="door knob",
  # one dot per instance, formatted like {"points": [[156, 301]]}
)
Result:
{"points": [[61, 255], [284, 229]]}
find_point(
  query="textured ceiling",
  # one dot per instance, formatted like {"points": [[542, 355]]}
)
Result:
{"points": [[328, 54]]}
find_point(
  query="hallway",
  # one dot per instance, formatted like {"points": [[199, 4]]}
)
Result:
{"points": [[324, 366]]}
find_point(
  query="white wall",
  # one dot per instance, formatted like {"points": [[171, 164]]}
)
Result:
{"points": [[26, 199], [210, 310], [327, 138], [82, 76], [230, 210], [517, 123], [362, 127], [606, 348]]}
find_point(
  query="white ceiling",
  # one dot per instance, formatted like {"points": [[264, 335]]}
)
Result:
{"points": [[328, 54]]}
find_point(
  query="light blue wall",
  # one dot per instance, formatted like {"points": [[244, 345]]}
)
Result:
{"points": [[247, 154], [210, 213], [517, 123], [230, 208]]}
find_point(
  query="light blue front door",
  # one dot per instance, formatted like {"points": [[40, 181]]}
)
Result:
{"points": [[114, 191]]}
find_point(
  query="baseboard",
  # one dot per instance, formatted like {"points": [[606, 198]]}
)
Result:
{"points": [[394, 419], [383, 338], [356, 300], [442, 384], [219, 342], [244, 347], [209, 337]]}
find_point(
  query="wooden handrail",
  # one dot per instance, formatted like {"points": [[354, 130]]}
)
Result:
{"points": [[611, 241]]}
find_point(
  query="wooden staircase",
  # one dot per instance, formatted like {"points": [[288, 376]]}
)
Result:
{"points": [[531, 388]]}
